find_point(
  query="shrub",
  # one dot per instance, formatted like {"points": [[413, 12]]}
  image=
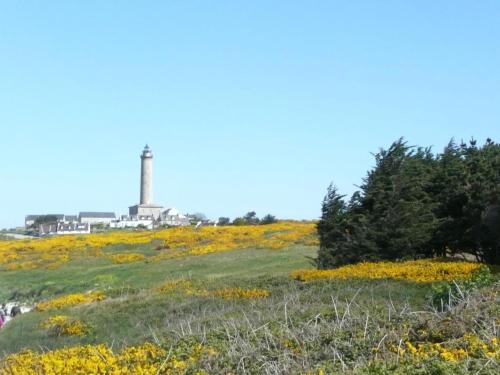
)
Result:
{"points": [[70, 300], [421, 271], [447, 294]]}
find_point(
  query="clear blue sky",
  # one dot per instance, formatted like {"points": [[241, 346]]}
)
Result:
{"points": [[247, 105]]}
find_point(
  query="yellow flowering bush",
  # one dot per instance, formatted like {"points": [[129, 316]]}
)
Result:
{"points": [[187, 287], [421, 271], [468, 346], [127, 257], [52, 252], [62, 325], [179, 285], [239, 293], [70, 300], [146, 359]]}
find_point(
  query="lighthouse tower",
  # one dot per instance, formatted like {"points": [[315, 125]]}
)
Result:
{"points": [[146, 207], [146, 176]]}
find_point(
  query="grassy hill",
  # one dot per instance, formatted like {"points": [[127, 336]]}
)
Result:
{"points": [[222, 300]]}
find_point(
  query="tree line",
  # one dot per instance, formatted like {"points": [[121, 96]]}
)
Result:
{"points": [[416, 204], [250, 218]]}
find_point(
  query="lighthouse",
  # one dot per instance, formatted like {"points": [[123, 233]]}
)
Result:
{"points": [[146, 208], [146, 176]]}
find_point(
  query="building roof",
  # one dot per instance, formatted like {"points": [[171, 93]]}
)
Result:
{"points": [[100, 215], [70, 217]]}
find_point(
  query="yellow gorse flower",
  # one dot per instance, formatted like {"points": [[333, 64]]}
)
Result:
{"points": [[179, 285], [52, 252], [469, 345], [421, 271], [127, 257], [187, 287], [63, 325], [70, 300], [240, 293], [146, 359]]}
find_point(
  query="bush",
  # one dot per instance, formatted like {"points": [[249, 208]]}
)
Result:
{"points": [[446, 295]]}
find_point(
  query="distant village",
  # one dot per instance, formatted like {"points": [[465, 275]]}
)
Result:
{"points": [[145, 215], [85, 222]]}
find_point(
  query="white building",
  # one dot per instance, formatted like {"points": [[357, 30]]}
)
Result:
{"points": [[96, 217], [173, 217], [62, 228], [133, 222]]}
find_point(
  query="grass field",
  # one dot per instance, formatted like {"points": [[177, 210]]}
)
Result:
{"points": [[195, 308]]}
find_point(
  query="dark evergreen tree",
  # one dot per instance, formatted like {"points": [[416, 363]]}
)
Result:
{"points": [[397, 201], [223, 221], [481, 211], [331, 229], [414, 204], [448, 190], [268, 219], [251, 218]]}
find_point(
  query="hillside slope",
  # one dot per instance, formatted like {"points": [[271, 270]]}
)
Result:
{"points": [[162, 305]]}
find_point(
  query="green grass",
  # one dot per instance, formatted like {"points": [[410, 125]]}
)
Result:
{"points": [[97, 273], [136, 313]]}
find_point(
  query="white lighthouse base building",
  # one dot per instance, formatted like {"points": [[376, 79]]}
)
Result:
{"points": [[145, 210]]}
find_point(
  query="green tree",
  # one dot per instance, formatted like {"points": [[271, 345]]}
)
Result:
{"points": [[331, 229], [251, 218], [239, 221], [223, 221], [398, 203], [415, 204], [448, 191], [482, 208], [268, 219]]}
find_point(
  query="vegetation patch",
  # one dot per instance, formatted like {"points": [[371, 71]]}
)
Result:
{"points": [[179, 285], [170, 243], [101, 359], [70, 300], [420, 271], [187, 287], [467, 346], [240, 293], [127, 257], [63, 325]]}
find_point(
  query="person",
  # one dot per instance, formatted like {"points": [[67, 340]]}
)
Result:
{"points": [[2, 320], [15, 310]]}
